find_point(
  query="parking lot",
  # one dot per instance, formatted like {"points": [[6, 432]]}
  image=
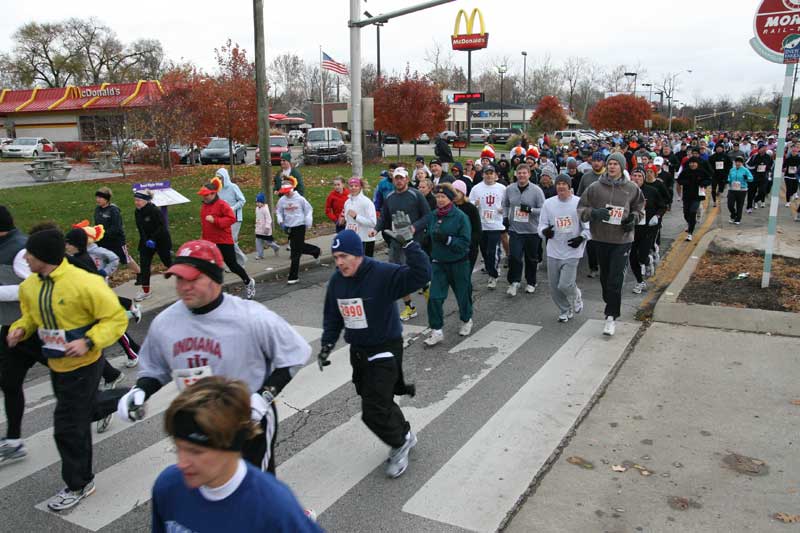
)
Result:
{"points": [[12, 174]]}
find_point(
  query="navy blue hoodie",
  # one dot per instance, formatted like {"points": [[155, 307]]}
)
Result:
{"points": [[379, 285]]}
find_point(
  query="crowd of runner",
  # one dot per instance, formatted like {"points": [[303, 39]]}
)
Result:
{"points": [[230, 357]]}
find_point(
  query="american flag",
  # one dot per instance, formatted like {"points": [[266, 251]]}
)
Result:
{"points": [[329, 64]]}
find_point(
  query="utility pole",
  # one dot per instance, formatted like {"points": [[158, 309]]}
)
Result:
{"points": [[502, 70], [524, 90], [262, 106]]}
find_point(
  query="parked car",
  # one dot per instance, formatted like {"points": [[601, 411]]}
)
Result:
{"points": [[217, 152], [391, 138], [28, 147], [134, 149], [187, 154], [324, 144], [565, 136], [423, 139], [501, 135], [278, 145], [479, 135], [296, 137], [449, 135]]}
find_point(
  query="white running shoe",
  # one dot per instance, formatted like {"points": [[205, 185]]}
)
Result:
{"points": [[610, 326], [530, 289], [131, 363], [787, 204], [141, 295], [593, 274], [763, 205], [577, 305], [111, 385], [639, 287], [398, 457], [466, 328], [492, 283], [11, 452], [66, 499], [136, 312], [563, 317], [251, 289], [435, 338], [512, 289], [103, 423], [292, 281], [689, 237]]}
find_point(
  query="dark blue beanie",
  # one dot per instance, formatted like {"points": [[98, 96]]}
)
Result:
{"points": [[347, 241]]}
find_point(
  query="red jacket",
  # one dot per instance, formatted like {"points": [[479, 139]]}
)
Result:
{"points": [[335, 204], [219, 231]]}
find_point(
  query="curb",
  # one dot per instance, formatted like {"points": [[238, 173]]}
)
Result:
{"points": [[669, 310]]}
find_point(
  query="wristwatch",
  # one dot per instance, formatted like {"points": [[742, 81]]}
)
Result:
{"points": [[89, 343]]}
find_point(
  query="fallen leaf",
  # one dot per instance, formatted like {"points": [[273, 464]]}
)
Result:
{"points": [[618, 468], [795, 402], [579, 461], [787, 518], [645, 473]]}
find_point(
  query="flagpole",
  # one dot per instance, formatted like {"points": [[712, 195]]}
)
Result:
{"points": [[321, 89]]}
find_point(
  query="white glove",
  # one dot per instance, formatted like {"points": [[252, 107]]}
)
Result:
{"points": [[130, 406], [258, 407], [653, 221]]}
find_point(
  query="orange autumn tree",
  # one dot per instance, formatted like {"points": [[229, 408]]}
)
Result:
{"points": [[620, 113], [227, 100], [409, 107], [549, 115]]}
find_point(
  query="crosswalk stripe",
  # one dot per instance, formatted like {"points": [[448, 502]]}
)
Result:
{"points": [[325, 470], [41, 447], [485, 477], [123, 486]]}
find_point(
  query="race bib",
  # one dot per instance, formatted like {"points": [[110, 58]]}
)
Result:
{"points": [[352, 226], [53, 339], [183, 377], [701, 192], [563, 224], [761, 168], [719, 165], [616, 213], [521, 216], [352, 310], [736, 186], [792, 170], [488, 214]]}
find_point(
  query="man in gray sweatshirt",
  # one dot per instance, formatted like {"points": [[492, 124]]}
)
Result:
{"points": [[521, 207], [613, 206]]}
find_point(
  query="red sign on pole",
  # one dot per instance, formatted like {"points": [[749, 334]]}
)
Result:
{"points": [[777, 30]]}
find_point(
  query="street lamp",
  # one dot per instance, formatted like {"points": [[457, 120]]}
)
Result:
{"points": [[524, 87], [650, 94], [502, 69], [629, 74]]}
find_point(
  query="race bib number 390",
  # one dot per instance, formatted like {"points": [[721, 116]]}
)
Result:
{"points": [[353, 314]]}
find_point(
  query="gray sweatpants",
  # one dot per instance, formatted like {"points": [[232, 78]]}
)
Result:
{"points": [[561, 273]]}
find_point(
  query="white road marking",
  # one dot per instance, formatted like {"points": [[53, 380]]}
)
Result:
{"points": [[485, 477]]}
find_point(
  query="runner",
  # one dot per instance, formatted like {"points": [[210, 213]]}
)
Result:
{"points": [[263, 230], [693, 179], [791, 166], [154, 238], [760, 165], [288, 171], [449, 230], [360, 299], [720, 166], [590, 176], [359, 215], [474, 216], [207, 333], [566, 236], [488, 197], [334, 203], [645, 231], [403, 202], [233, 196], [211, 488], [740, 180], [613, 207], [216, 217], [74, 334], [522, 204], [109, 216], [295, 215]]}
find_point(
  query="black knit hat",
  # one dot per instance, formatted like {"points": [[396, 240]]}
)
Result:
{"points": [[6, 220], [47, 246], [77, 238]]}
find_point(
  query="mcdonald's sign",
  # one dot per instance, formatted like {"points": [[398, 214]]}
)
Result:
{"points": [[469, 40]]}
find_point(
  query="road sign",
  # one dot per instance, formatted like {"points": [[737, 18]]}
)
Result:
{"points": [[469, 40], [777, 31], [463, 98]]}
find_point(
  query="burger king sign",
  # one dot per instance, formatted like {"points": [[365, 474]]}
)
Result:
{"points": [[777, 31]]}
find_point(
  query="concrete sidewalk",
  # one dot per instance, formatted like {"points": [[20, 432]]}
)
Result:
{"points": [[269, 268]]}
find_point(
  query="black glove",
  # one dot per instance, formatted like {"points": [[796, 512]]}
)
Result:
{"points": [[600, 214], [324, 353], [627, 223], [506, 223], [576, 241], [441, 238], [548, 232]]}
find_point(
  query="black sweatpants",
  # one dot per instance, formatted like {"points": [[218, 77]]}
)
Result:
{"points": [[524, 248], [14, 365], [297, 240], [613, 261], [164, 251], [764, 187], [369, 248], [791, 188], [255, 450], [378, 377], [690, 209], [591, 255], [640, 249], [76, 395], [718, 186], [736, 201], [228, 252]]}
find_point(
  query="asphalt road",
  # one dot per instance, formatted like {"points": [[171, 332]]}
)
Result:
{"points": [[324, 453]]}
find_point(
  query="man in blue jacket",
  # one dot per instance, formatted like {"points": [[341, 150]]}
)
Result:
{"points": [[360, 299]]}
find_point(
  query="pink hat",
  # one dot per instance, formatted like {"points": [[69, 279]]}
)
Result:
{"points": [[460, 186]]}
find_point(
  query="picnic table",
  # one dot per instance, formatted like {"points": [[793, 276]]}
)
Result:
{"points": [[50, 167], [106, 161]]}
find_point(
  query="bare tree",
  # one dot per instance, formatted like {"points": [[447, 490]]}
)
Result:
{"points": [[286, 75], [441, 61], [573, 72], [613, 78]]}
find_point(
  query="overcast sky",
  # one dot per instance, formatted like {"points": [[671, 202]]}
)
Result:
{"points": [[709, 37]]}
